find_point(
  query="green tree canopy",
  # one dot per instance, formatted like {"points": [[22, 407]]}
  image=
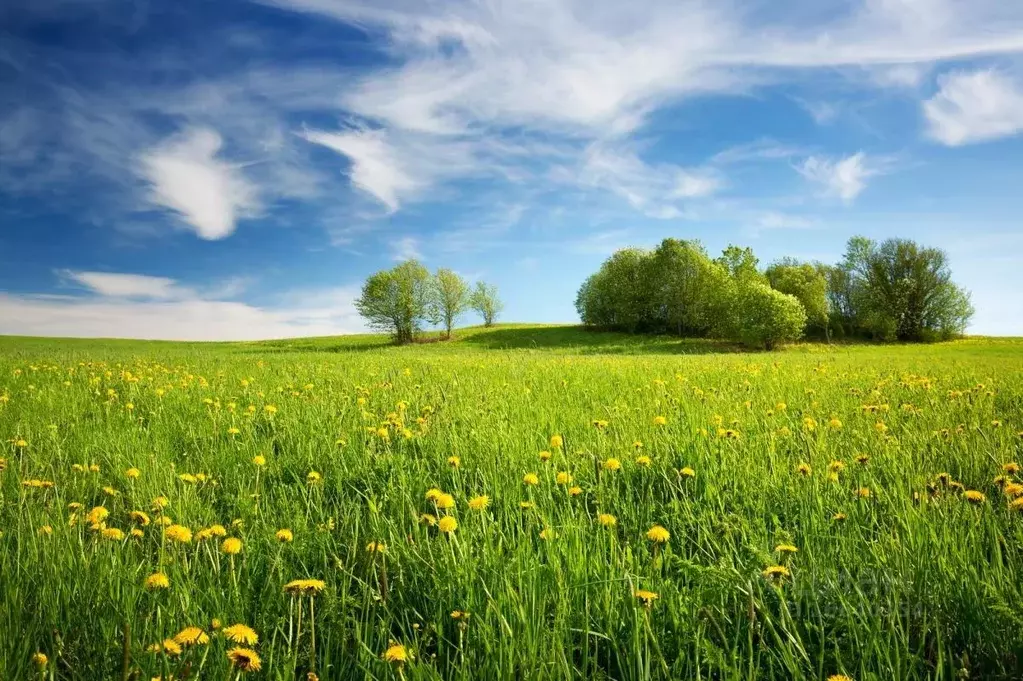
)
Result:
{"points": [[485, 302], [452, 297], [399, 301]]}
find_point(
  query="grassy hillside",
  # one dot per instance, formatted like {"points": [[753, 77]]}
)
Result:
{"points": [[603, 506]]}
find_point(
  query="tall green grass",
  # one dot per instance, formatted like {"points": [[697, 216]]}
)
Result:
{"points": [[916, 582]]}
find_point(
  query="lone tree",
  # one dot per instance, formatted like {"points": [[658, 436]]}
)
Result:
{"points": [[399, 300], [484, 300], [453, 297]]}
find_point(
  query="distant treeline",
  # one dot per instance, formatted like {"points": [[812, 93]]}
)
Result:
{"points": [[896, 290]]}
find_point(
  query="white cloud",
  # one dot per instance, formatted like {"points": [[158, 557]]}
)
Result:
{"points": [[904, 76], [467, 90], [822, 113], [974, 107], [394, 168], [187, 177], [120, 285], [844, 178], [375, 166], [602, 243], [601, 65], [652, 189], [406, 248], [773, 220], [138, 306]]}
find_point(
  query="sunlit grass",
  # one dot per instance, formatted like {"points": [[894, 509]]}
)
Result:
{"points": [[653, 509]]}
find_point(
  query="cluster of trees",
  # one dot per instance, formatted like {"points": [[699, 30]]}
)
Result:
{"points": [[406, 298], [896, 290]]}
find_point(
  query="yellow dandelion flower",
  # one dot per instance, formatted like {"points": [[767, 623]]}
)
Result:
{"points": [[179, 533], [785, 548], [160, 502], [547, 534], [305, 586], [447, 524], [838, 517], [136, 533], [687, 472], [428, 519], [169, 647], [396, 654], [563, 478], [376, 547], [647, 597], [157, 580], [835, 424], [479, 503], [313, 477], [97, 515], [525, 505], [660, 421], [40, 660], [133, 473], [607, 520], [556, 442], [575, 491], [545, 456], [863, 493], [284, 536], [776, 572], [612, 465], [259, 460], [839, 677], [244, 659], [658, 534], [113, 534], [231, 546], [643, 461], [445, 501], [531, 479], [45, 531], [192, 636], [240, 633], [1011, 468], [1016, 504], [974, 497]]}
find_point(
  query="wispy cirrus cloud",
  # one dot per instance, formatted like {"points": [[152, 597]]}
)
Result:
{"points": [[844, 178], [653, 189]]}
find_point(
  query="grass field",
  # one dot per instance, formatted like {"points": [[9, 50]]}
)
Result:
{"points": [[845, 510]]}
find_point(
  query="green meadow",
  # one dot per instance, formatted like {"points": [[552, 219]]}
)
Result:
{"points": [[522, 502]]}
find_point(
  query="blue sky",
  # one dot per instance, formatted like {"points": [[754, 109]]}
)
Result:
{"points": [[235, 169]]}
